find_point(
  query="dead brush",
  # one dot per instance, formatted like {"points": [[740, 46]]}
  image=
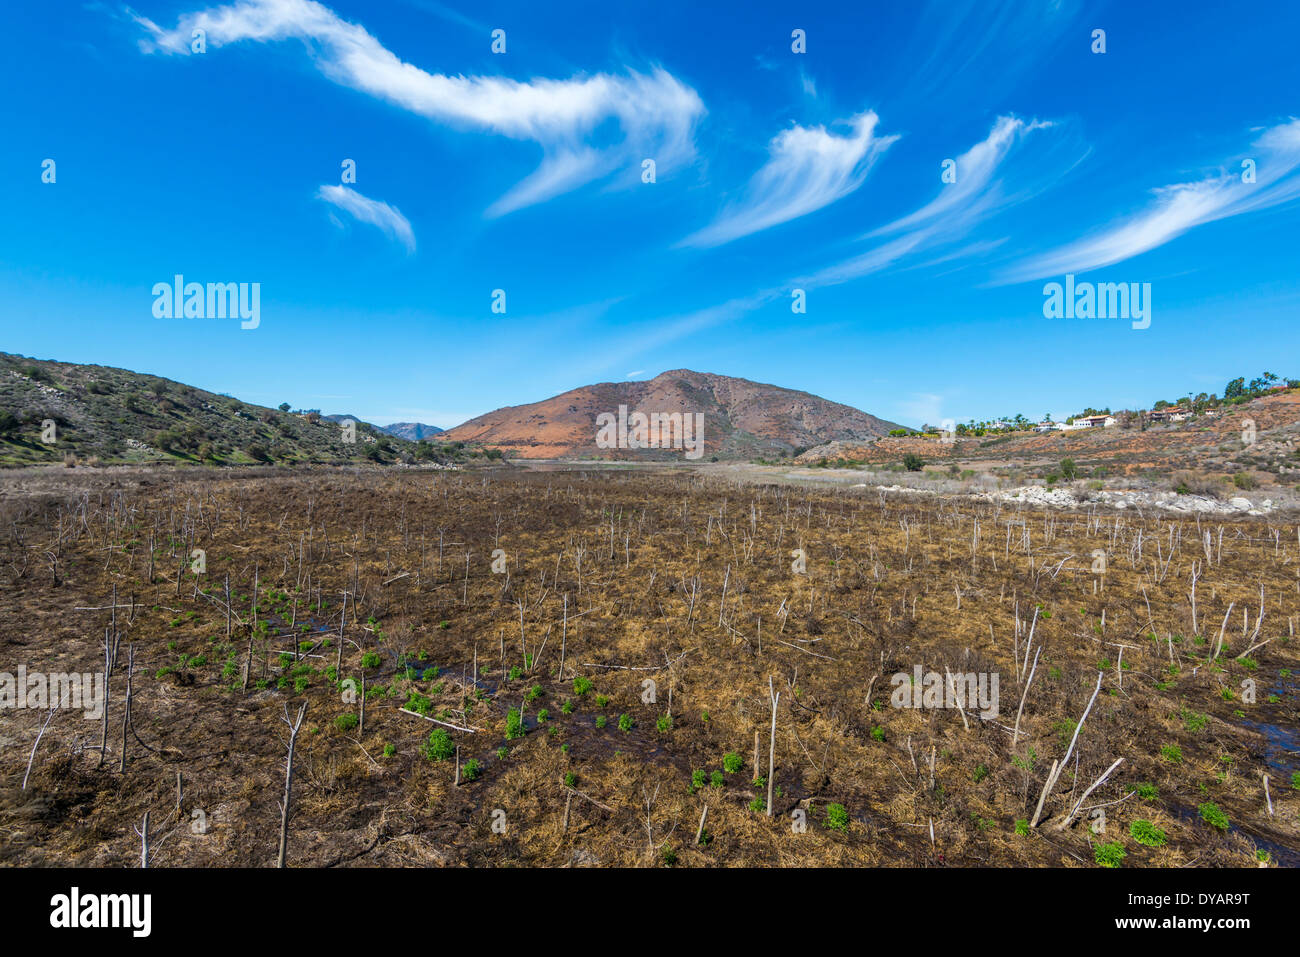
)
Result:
{"points": [[684, 581]]}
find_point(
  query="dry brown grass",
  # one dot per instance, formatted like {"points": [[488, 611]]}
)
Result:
{"points": [[879, 596]]}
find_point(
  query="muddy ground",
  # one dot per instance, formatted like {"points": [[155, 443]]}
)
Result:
{"points": [[665, 602]]}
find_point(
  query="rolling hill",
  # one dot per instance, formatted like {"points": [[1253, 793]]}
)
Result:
{"points": [[108, 415], [411, 431], [742, 419], [1259, 436]]}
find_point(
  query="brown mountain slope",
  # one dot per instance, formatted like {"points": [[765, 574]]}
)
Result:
{"points": [[742, 419]]}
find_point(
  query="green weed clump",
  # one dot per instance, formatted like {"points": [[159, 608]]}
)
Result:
{"points": [[439, 747], [1212, 815], [1144, 832], [1109, 855], [837, 817]]}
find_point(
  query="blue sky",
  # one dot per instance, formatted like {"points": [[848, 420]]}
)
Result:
{"points": [[774, 171]]}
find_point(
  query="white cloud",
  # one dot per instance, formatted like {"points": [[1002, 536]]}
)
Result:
{"points": [[1181, 207], [372, 211], [936, 224], [450, 15], [808, 168], [974, 196], [656, 112], [642, 340]]}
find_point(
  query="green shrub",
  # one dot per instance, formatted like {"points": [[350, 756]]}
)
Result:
{"points": [[600, 721], [514, 724], [581, 685], [732, 762], [716, 779], [418, 703], [1027, 762], [1213, 816], [625, 722], [439, 747], [1022, 826], [346, 722], [471, 769], [1109, 855], [1144, 832], [697, 780], [837, 818], [1064, 731]]}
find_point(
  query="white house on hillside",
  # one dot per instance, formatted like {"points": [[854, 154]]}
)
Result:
{"points": [[1096, 421]]}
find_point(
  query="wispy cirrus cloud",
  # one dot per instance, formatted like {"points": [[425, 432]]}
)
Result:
{"points": [[641, 340], [372, 211], [976, 195], [953, 43], [450, 15], [807, 169], [970, 195], [1181, 207], [957, 208], [656, 112]]}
